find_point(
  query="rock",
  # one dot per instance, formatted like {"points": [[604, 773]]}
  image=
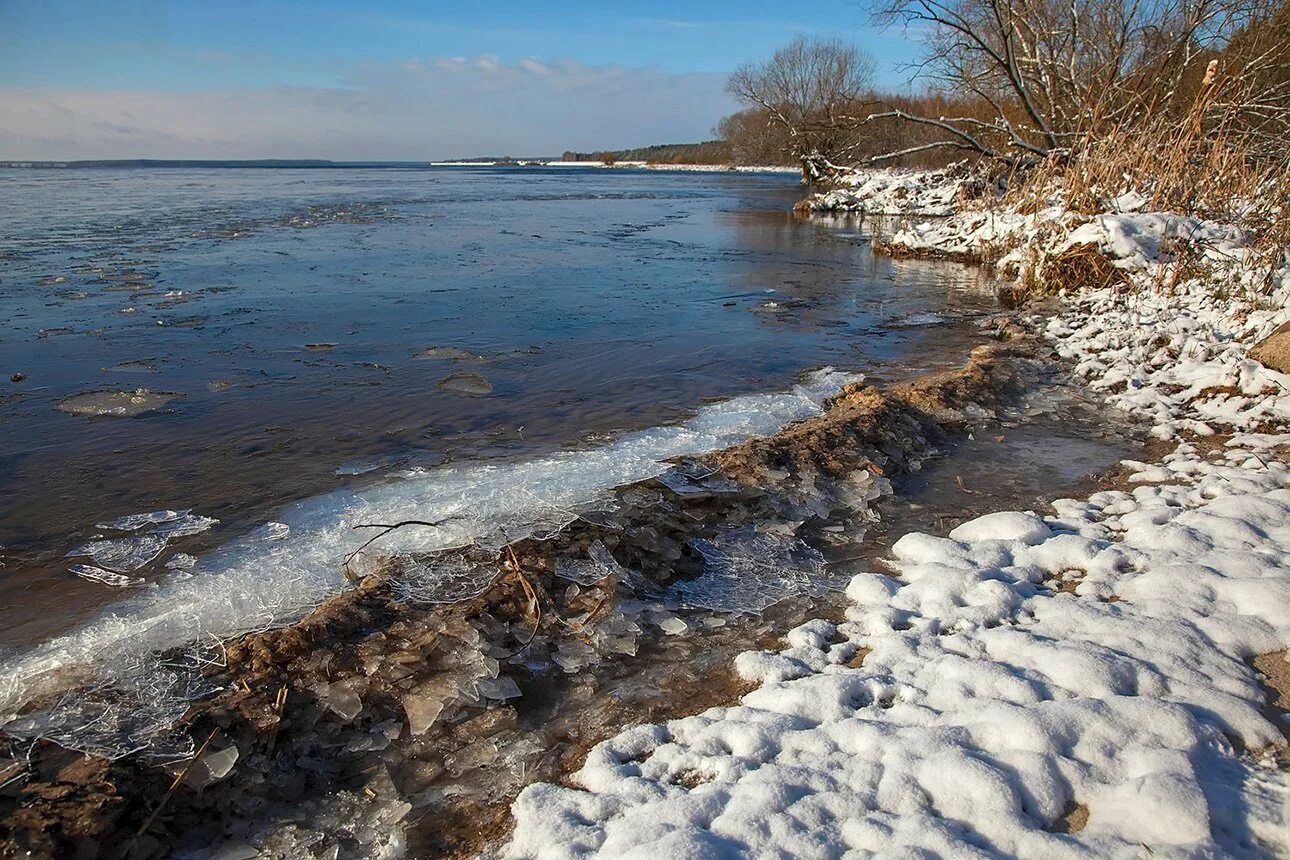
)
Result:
{"points": [[466, 383], [119, 404], [1273, 351]]}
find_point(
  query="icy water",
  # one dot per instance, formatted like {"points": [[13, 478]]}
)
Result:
{"points": [[302, 332]]}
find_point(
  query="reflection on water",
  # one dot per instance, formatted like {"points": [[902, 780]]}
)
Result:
{"points": [[319, 328]]}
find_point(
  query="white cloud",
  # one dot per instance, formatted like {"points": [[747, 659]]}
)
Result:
{"points": [[416, 109]]}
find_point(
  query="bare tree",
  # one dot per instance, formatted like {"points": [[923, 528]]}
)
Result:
{"points": [[1054, 71], [813, 90]]}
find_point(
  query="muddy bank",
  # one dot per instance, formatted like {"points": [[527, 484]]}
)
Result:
{"points": [[386, 716]]}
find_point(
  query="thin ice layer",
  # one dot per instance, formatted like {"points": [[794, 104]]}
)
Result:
{"points": [[258, 581], [123, 555], [747, 570]]}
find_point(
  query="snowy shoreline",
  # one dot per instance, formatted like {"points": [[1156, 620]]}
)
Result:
{"points": [[1068, 685]]}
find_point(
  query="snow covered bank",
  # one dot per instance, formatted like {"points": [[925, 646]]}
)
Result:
{"points": [[1070, 685], [894, 192], [989, 701]]}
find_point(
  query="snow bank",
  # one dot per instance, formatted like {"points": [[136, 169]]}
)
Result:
{"points": [[1024, 666], [987, 704], [893, 192]]}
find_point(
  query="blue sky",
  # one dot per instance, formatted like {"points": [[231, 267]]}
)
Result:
{"points": [[387, 79]]}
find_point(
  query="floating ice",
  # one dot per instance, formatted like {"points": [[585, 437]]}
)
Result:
{"points": [[189, 524], [351, 469], [134, 522], [181, 561], [745, 570], [107, 577], [124, 554]]}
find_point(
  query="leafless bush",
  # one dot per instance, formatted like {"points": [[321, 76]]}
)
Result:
{"points": [[1055, 73]]}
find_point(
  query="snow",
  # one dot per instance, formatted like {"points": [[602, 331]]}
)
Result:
{"points": [[1023, 664], [894, 192]]}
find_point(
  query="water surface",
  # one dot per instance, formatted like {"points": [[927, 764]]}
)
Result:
{"points": [[313, 329]]}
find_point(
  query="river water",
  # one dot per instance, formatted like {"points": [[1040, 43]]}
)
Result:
{"points": [[305, 332]]}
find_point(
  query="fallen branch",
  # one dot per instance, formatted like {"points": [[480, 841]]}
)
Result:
{"points": [[385, 529]]}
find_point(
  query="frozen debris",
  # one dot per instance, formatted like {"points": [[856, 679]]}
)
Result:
{"points": [[500, 689], [124, 554], [448, 579], [598, 565], [694, 480], [134, 522], [212, 767], [134, 712], [466, 382], [746, 571], [116, 404], [106, 577], [673, 625], [341, 700], [422, 711]]}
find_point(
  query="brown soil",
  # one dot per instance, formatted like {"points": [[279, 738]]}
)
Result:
{"points": [[1274, 350], [1072, 820], [1275, 680], [275, 702]]}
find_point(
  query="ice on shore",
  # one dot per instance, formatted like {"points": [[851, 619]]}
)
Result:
{"points": [[746, 571], [273, 576]]}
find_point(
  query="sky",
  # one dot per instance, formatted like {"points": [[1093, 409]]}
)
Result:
{"points": [[388, 79]]}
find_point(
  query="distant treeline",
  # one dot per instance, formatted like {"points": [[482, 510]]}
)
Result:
{"points": [[708, 152]]}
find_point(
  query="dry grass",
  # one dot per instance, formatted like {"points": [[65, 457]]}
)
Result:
{"points": [[1204, 163]]}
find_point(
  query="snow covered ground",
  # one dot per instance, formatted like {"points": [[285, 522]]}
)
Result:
{"points": [[1068, 685], [894, 192]]}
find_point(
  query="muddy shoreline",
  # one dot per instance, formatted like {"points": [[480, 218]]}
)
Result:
{"points": [[382, 713]]}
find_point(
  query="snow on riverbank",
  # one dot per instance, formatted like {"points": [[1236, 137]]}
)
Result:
{"points": [[894, 192], [1070, 685]]}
